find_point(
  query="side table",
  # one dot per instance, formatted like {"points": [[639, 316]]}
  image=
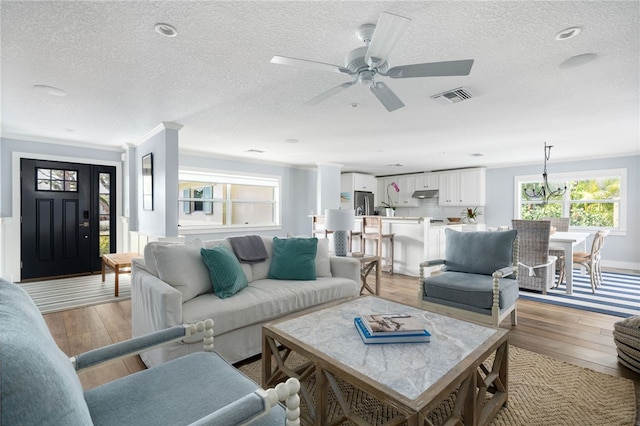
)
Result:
{"points": [[115, 261], [367, 263]]}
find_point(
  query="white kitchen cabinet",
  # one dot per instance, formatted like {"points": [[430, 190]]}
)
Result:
{"points": [[426, 181], [407, 186], [462, 188], [350, 182], [383, 184], [436, 243]]}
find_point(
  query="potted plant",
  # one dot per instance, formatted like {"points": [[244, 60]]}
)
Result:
{"points": [[390, 208], [470, 215]]}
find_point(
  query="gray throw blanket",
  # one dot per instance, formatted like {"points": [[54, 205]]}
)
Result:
{"points": [[249, 248]]}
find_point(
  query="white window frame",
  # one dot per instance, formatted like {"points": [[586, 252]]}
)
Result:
{"points": [[578, 175], [230, 177]]}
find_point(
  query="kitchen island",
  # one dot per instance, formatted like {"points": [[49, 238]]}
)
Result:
{"points": [[416, 239]]}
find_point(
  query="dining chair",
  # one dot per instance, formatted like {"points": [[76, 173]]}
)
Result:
{"points": [[536, 267], [591, 260], [372, 231]]}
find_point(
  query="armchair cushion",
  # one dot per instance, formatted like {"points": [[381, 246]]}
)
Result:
{"points": [[225, 271], [156, 396], [38, 384], [478, 252], [470, 290]]}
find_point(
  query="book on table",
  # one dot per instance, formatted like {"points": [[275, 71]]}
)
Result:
{"points": [[369, 338], [392, 324]]}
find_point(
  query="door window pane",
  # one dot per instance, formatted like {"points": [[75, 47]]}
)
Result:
{"points": [[104, 207], [56, 180]]}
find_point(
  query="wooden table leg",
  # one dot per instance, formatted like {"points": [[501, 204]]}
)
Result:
{"points": [[103, 262], [117, 275], [378, 276]]}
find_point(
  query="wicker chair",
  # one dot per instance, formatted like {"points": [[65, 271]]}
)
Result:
{"points": [[560, 224], [536, 268]]}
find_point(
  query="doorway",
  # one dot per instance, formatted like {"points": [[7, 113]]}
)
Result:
{"points": [[67, 217]]}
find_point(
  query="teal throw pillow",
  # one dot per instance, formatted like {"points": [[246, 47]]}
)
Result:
{"points": [[294, 259], [225, 271]]}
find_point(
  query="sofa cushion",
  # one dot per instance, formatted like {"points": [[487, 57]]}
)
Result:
{"points": [[181, 266], [478, 252], [38, 384], [225, 271], [294, 259], [266, 300], [470, 289]]}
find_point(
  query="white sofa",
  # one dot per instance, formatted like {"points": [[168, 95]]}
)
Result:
{"points": [[185, 295]]}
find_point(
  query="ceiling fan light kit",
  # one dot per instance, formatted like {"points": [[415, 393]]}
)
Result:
{"points": [[368, 62]]}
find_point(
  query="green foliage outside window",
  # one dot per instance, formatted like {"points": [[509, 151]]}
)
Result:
{"points": [[589, 203]]}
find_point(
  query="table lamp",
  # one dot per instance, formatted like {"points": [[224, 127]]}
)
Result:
{"points": [[340, 222]]}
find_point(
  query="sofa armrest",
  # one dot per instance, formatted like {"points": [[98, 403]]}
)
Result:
{"points": [[155, 305], [345, 267]]}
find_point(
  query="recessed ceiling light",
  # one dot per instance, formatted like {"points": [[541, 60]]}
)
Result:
{"points": [[256, 151], [292, 140], [568, 33], [355, 105], [166, 30], [395, 165], [50, 90], [477, 154], [576, 61]]}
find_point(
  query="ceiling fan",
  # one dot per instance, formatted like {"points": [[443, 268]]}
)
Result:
{"points": [[370, 61]]}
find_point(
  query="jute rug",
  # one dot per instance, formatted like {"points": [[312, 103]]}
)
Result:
{"points": [[542, 391], [77, 292]]}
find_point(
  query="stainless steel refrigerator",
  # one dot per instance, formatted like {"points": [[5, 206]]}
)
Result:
{"points": [[363, 203]]}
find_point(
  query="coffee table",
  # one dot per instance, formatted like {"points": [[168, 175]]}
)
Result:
{"points": [[413, 378]]}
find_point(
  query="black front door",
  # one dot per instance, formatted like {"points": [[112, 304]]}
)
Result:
{"points": [[61, 218]]}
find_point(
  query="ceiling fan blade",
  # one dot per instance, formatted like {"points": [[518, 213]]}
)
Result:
{"points": [[389, 99], [304, 63], [388, 31], [326, 95], [431, 69]]}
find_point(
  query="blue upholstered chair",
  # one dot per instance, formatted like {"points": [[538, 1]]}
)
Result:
{"points": [[39, 384], [477, 281]]}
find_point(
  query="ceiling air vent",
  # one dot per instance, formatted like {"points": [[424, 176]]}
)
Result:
{"points": [[453, 96]]}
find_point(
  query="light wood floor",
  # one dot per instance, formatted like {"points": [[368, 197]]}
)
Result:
{"points": [[579, 337]]}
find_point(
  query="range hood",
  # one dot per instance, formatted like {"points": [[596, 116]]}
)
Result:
{"points": [[425, 193]]}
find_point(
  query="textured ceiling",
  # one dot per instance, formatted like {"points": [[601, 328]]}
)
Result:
{"points": [[123, 79]]}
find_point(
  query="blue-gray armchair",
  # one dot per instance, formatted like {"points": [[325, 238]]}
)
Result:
{"points": [[477, 281], [39, 384]]}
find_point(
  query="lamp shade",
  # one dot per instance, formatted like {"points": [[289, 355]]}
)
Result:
{"points": [[339, 219]]}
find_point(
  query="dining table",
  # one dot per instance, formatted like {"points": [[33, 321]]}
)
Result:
{"points": [[567, 241]]}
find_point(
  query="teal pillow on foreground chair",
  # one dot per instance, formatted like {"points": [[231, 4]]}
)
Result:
{"points": [[39, 384], [478, 278]]}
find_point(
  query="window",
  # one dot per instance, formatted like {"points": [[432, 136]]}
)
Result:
{"points": [[224, 200], [56, 180], [593, 200]]}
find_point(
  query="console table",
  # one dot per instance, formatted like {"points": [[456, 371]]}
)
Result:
{"points": [[115, 261]]}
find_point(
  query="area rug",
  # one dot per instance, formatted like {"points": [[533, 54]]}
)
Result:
{"points": [[77, 292], [618, 295], [542, 391]]}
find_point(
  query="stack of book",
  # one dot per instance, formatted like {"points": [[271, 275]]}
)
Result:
{"points": [[391, 328]]}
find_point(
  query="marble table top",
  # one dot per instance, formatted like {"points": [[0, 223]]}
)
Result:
{"points": [[409, 368]]}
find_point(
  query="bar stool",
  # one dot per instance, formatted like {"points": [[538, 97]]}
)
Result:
{"points": [[372, 230]]}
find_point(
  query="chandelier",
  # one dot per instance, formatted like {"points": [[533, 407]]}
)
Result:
{"points": [[545, 192]]}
